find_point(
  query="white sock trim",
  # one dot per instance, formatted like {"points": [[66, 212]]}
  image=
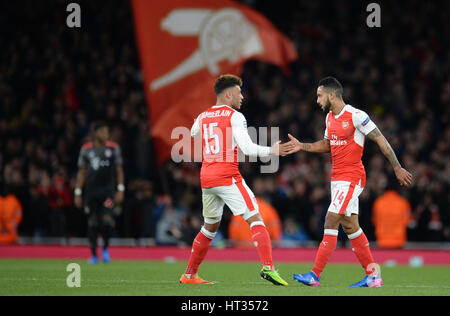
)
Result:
{"points": [[355, 235], [207, 233], [260, 223], [331, 232], [213, 220]]}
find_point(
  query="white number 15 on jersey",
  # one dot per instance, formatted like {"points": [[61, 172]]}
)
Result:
{"points": [[211, 135]]}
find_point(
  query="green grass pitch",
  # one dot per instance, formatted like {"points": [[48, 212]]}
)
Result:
{"points": [[152, 278]]}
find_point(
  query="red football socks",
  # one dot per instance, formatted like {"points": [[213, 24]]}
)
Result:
{"points": [[200, 248], [360, 246], [327, 247], [261, 240]]}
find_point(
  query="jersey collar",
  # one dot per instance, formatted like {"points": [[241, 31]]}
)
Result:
{"points": [[219, 106], [342, 111]]}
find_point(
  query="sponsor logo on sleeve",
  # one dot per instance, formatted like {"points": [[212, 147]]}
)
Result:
{"points": [[366, 121]]}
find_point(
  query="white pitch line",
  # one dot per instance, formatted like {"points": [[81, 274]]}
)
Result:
{"points": [[423, 286], [176, 282]]}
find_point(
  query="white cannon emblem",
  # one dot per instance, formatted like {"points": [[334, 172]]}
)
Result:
{"points": [[222, 35]]}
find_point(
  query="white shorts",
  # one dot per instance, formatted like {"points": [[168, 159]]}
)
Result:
{"points": [[238, 197], [345, 198]]}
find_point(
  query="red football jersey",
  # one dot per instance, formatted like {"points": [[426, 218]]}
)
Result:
{"points": [[223, 131], [220, 160], [346, 132]]}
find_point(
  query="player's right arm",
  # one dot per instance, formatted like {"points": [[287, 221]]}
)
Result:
{"points": [[321, 146], [81, 179]]}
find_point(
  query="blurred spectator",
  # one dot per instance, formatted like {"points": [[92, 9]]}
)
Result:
{"points": [[293, 234], [239, 231], [169, 222], [10, 218], [426, 222], [191, 225], [391, 215], [147, 202], [59, 197], [38, 204], [301, 207]]}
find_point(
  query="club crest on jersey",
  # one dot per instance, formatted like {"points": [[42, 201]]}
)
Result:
{"points": [[345, 124], [108, 153]]}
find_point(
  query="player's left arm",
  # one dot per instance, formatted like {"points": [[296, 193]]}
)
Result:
{"points": [[245, 143], [195, 130], [80, 179], [404, 177]]}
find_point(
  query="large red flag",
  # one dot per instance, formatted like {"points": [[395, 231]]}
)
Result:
{"points": [[186, 44]]}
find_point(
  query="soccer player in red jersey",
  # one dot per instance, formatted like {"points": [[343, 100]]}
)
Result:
{"points": [[223, 130], [346, 128]]}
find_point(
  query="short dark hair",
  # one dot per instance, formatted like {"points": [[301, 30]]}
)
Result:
{"points": [[100, 124], [331, 83], [226, 81]]}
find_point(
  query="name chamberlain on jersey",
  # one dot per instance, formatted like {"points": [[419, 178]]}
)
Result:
{"points": [[215, 114], [100, 164]]}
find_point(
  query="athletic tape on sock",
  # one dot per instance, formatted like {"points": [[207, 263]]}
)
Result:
{"points": [[208, 233], [355, 235], [256, 224], [331, 232], [213, 220]]}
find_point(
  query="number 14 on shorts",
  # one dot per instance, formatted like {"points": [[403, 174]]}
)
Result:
{"points": [[345, 197], [338, 198]]}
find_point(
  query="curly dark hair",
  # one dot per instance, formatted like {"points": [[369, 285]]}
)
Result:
{"points": [[226, 81]]}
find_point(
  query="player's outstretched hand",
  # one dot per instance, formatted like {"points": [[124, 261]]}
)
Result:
{"points": [[404, 177], [279, 149], [293, 146]]}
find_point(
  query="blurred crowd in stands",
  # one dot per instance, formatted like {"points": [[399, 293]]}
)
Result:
{"points": [[54, 82]]}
